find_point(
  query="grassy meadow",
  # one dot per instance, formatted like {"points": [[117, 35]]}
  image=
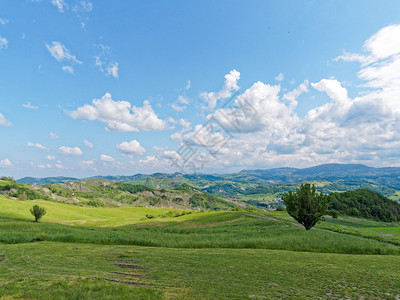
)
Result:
{"points": [[118, 253]]}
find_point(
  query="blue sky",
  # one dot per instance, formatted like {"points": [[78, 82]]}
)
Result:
{"points": [[125, 87]]}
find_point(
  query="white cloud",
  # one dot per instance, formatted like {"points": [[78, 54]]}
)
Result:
{"points": [[83, 6], [104, 157], [112, 69], [36, 145], [61, 53], [188, 85], [259, 108], [384, 43], [3, 43], [180, 104], [30, 106], [5, 163], [104, 61], [50, 157], [60, 4], [68, 69], [88, 144], [120, 115], [4, 121], [130, 148], [160, 148], [70, 151], [87, 164], [293, 95], [54, 135], [333, 89], [280, 77], [185, 127], [3, 21], [230, 86], [262, 128]]}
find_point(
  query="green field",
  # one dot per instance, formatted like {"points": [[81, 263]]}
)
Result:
{"points": [[120, 254]]}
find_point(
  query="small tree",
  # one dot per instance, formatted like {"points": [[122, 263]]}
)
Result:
{"points": [[38, 212], [306, 206]]}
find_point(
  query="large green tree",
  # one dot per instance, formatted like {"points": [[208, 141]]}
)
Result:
{"points": [[306, 206]]}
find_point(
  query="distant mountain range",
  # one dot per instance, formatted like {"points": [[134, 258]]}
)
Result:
{"points": [[274, 182], [387, 176]]}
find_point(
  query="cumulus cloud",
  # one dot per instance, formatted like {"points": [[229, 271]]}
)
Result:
{"points": [[61, 53], [3, 43], [259, 108], [332, 88], [37, 145], [4, 121], [30, 106], [131, 148], [185, 126], [75, 151], [380, 62], [262, 128], [3, 21], [229, 87], [120, 115], [104, 157], [5, 163], [293, 95], [382, 45], [50, 157]]}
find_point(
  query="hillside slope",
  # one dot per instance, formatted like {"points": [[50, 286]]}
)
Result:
{"points": [[101, 192], [366, 204]]}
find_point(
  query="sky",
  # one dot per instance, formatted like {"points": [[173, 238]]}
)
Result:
{"points": [[124, 87]]}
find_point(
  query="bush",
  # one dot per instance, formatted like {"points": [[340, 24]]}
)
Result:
{"points": [[38, 212]]}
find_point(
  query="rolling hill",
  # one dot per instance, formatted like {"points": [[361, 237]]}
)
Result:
{"points": [[100, 192]]}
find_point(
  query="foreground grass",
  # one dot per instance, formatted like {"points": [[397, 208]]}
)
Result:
{"points": [[207, 230], [380, 231], [216, 255], [49, 270]]}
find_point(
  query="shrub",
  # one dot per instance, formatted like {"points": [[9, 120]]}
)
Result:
{"points": [[38, 212]]}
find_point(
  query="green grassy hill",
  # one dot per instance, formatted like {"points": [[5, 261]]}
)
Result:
{"points": [[120, 254], [366, 204]]}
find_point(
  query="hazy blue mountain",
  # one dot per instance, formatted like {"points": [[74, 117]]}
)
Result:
{"points": [[46, 180]]}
